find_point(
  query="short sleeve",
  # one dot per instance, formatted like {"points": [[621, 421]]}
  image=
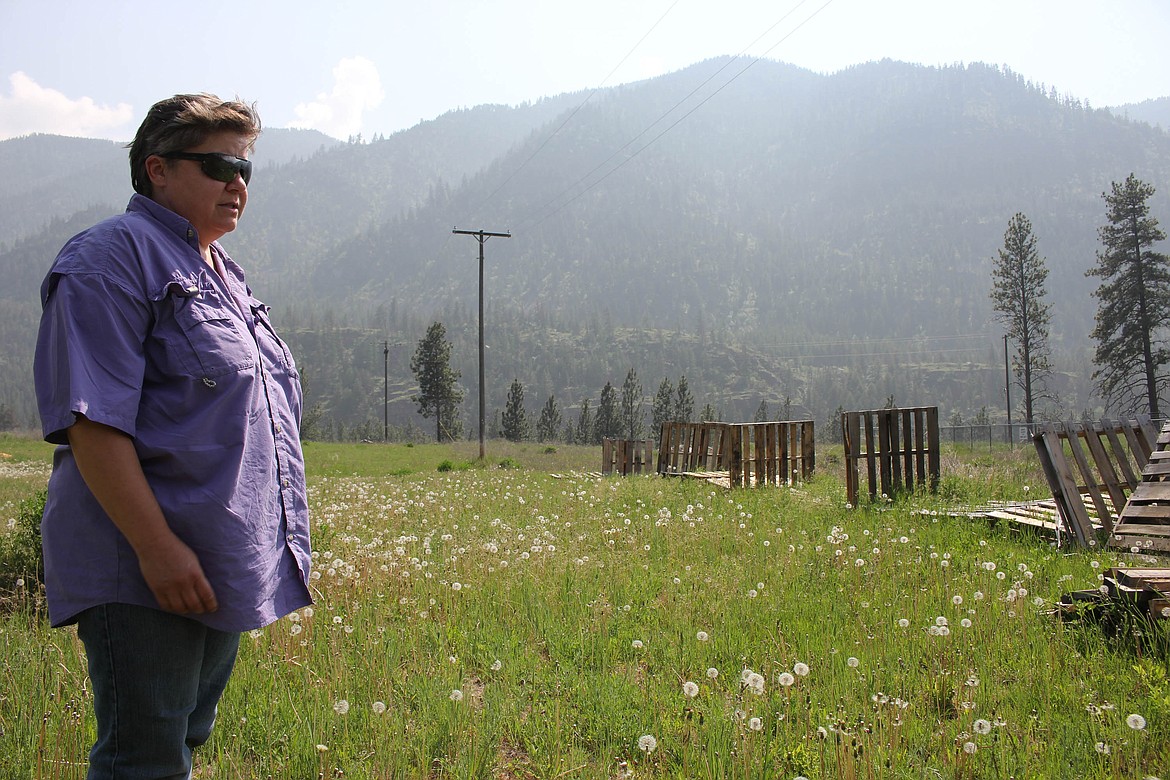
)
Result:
{"points": [[90, 357]]}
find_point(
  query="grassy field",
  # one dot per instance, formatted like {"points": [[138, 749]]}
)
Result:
{"points": [[523, 619]]}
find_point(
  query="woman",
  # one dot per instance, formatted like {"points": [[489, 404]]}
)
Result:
{"points": [[177, 515]]}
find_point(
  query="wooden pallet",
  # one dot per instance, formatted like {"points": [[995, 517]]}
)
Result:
{"points": [[1126, 593], [743, 454], [1144, 523], [1098, 461], [627, 456], [899, 447]]}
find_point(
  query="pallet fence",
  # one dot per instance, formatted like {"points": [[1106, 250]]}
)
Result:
{"points": [[899, 447], [1103, 461], [627, 456], [746, 454]]}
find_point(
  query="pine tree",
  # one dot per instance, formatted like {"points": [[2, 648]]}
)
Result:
{"points": [[633, 423], [684, 402], [584, 424], [549, 422], [438, 395], [514, 424], [662, 410], [607, 424], [1134, 298], [761, 412], [1017, 293], [708, 414]]}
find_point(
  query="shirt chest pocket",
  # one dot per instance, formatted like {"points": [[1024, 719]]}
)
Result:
{"points": [[203, 338]]}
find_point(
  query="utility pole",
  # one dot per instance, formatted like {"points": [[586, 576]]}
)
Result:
{"points": [[1007, 389], [481, 236], [385, 391]]}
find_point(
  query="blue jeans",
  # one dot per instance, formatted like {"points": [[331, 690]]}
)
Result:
{"points": [[157, 678]]}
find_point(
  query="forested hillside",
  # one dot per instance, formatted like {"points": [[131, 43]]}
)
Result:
{"points": [[808, 241]]}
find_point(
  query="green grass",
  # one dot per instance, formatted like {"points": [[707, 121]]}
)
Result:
{"points": [[566, 612]]}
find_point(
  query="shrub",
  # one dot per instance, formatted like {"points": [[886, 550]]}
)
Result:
{"points": [[20, 548]]}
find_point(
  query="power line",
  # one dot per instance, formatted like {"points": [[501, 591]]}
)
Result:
{"points": [[581, 105], [700, 104]]}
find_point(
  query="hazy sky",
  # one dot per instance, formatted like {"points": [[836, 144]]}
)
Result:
{"points": [[93, 67]]}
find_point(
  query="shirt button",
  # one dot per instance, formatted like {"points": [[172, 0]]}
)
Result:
{"points": [[279, 429], [290, 538], [284, 483]]}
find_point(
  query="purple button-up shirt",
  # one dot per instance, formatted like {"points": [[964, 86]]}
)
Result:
{"points": [[139, 334]]}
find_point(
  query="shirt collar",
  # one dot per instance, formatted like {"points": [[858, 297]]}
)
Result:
{"points": [[176, 224]]}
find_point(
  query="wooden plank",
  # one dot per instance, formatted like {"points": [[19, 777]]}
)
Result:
{"points": [[910, 474], [1157, 470], [1121, 454], [881, 457], [1106, 471], [1152, 491], [1076, 431], [1050, 451], [1134, 529], [933, 447]]}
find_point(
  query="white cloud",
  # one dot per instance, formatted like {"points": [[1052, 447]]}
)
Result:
{"points": [[31, 108], [357, 87]]}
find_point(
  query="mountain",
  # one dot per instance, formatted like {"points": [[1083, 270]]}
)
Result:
{"points": [[773, 234], [1155, 111]]}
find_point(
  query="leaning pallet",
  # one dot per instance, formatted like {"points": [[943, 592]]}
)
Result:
{"points": [[1144, 523], [1101, 461]]}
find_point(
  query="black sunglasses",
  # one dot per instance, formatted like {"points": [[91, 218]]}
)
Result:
{"points": [[221, 167]]}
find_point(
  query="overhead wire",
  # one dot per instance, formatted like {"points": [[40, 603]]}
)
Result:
{"points": [[554, 211], [574, 112]]}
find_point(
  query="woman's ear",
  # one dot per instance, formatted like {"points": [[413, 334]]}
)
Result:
{"points": [[156, 170]]}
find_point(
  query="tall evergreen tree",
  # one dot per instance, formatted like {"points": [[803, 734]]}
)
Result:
{"points": [[708, 414], [514, 424], [663, 408], [550, 421], [1018, 290], [438, 394], [1134, 298], [584, 433], [633, 422], [607, 424], [761, 412], [684, 402]]}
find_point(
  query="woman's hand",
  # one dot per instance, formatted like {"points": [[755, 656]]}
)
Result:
{"points": [[109, 465]]}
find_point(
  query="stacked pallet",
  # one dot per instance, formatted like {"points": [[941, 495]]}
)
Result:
{"points": [[1144, 523]]}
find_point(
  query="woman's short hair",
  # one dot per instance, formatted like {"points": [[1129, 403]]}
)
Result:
{"points": [[183, 121]]}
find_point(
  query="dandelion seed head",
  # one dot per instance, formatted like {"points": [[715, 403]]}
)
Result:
{"points": [[712, 672], [456, 695], [969, 748], [379, 707], [981, 726], [755, 724], [647, 743], [1135, 722], [341, 707], [690, 689], [702, 636], [800, 669]]}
